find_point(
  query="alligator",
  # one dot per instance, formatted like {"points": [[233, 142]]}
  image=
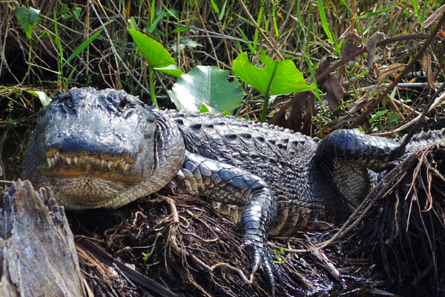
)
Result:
{"points": [[106, 148]]}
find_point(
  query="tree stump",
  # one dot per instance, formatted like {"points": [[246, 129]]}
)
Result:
{"points": [[37, 251]]}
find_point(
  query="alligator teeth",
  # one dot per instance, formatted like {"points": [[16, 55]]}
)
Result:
{"points": [[74, 160]]}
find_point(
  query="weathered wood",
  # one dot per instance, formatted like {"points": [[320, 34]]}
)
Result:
{"points": [[37, 251]]}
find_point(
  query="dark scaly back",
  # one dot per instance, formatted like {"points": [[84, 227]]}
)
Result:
{"points": [[270, 152], [279, 156]]}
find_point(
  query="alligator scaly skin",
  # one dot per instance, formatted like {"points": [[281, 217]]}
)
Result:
{"points": [[107, 148]]}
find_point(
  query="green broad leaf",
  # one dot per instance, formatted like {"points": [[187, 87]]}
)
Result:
{"points": [[66, 16], [10, 123], [157, 56], [179, 30], [28, 18], [378, 115], [206, 88], [276, 77], [44, 99], [82, 47]]}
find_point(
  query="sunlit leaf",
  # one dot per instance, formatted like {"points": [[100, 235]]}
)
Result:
{"points": [[157, 56], [205, 88], [276, 77]]}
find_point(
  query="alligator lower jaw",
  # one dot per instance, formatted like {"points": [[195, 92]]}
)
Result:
{"points": [[70, 166]]}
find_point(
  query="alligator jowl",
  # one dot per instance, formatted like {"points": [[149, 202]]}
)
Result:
{"points": [[107, 148]]}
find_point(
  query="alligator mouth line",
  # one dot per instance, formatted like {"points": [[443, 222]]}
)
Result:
{"points": [[113, 162]]}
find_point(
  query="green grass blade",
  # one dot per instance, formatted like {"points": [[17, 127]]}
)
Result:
{"points": [[377, 12], [214, 6], [82, 47], [324, 21], [417, 11], [300, 20], [57, 39]]}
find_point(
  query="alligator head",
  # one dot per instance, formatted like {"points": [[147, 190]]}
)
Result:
{"points": [[98, 148]]}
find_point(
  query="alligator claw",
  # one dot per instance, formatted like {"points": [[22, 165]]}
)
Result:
{"points": [[261, 258]]}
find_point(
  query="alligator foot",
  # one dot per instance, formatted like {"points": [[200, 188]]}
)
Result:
{"points": [[262, 259]]}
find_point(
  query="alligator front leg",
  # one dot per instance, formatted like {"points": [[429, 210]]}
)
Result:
{"points": [[227, 184]]}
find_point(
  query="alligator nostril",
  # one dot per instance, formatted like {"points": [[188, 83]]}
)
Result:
{"points": [[68, 100], [69, 104], [123, 104]]}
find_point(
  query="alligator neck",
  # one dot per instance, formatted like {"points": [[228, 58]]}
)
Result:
{"points": [[169, 153]]}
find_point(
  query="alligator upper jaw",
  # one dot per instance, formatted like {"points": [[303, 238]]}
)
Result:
{"points": [[68, 165]]}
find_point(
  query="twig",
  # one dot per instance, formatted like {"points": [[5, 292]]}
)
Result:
{"points": [[271, 244], [402, 85]]}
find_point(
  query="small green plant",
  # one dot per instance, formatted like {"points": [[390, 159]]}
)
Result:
{"points": [[28, 18], [145, 257], [279, 254]]}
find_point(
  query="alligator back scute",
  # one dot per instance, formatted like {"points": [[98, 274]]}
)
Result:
{"points": [[425, 139]]}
